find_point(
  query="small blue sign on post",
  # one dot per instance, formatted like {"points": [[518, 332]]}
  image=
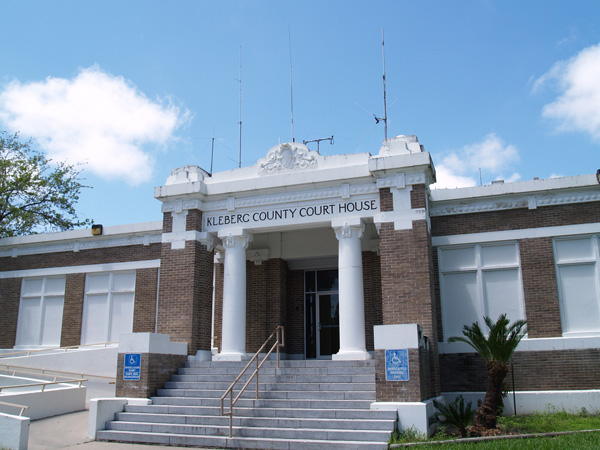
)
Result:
{"points": [[396, 365], [132, 367]]}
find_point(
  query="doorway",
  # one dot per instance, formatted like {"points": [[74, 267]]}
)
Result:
{"points": [[322, 318]]}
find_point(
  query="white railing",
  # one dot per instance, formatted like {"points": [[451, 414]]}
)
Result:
{"points": [[279, 342], [14, 405]]}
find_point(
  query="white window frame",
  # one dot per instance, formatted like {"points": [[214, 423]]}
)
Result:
{"points": [[43, 295], [479, 269], [593, 260], [110, 292]]}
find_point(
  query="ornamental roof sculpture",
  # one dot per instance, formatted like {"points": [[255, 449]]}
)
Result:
{"points": [[288, 157]]}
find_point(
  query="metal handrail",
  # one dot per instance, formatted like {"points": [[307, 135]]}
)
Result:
{"points": [[72, 347], [278, 343], [44, 384], [31, 371], [23, 407]]}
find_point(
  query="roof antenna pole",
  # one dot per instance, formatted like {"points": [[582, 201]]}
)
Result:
{"points": [[212, 152], [240, 122], [291, 82], [384, 99]]}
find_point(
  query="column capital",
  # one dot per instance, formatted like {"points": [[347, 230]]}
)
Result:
{"points": [[349, 228], [236, 238]]}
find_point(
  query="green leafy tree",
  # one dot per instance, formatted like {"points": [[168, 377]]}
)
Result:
{"points": [[35, 194], [496, 349]]}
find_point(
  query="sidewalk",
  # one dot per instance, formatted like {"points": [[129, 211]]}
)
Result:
{"points": [[69, 431]]}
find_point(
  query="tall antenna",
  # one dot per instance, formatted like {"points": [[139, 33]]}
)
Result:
{"points": [[240, 122], [212, 152], [291, 82], [384, 99]]}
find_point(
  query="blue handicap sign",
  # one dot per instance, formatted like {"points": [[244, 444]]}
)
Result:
{"points": [[132, 367], [396, 365]]}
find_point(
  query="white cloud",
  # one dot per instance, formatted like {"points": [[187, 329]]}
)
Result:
{"points": [[97, 118], [577, 108], [461, 168]]}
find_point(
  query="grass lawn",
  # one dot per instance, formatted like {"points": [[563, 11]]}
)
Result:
{"points": [[548, 422]]}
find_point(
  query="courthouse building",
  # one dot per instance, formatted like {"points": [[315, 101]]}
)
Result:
{"points": [[354, 254]]}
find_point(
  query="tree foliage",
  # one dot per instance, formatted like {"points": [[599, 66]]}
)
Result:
{"points": [[496, 349], [36, 195]]}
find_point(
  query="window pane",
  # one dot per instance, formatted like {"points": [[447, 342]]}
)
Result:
{"points": [[502, 294], [97, 283], [53, 312], [456, 259], [124, 282], [30, 313], [459, 304], [122, 315], [579, 302], [31, 287], [574, 249], [327, 280], [55, 286], [310, 281], [499, 255], [95, 319]]}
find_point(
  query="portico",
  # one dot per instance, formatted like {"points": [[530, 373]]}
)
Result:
{"points": [[302, 212]]}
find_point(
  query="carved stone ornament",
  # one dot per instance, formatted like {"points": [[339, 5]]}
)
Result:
{"points": [[288, 157]]}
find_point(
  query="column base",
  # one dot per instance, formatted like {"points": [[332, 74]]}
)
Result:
{"points": [[352, 355], [231, 356]]}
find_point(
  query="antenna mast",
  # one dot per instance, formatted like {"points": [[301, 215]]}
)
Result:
{"points": [[384, 99], [212, 152], [240, 122], [291, 82]]}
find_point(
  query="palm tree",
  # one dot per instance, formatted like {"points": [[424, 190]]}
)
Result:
{"points": [[496, 350]]}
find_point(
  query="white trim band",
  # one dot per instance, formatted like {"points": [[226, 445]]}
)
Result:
{"points": [[511, 235], [92, 268]]}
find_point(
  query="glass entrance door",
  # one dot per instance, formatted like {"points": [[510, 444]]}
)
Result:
{"points": [[322, 324]]}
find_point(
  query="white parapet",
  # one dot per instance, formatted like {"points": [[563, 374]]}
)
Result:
{"points": [[14, 432], [411, 415], [530, 402], [150, 343], [103, 410]]}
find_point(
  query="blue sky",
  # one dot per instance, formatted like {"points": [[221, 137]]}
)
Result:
{"points": [[136, 88]]}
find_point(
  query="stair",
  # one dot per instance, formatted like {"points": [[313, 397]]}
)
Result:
{"points": [[302, 405]]}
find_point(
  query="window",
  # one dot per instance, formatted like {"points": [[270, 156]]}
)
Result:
{"points": [[578, 284], [477, 281], [108, 306], [41, 311]]}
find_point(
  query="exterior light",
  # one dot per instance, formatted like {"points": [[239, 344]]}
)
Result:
{"points": [[96, 230]]}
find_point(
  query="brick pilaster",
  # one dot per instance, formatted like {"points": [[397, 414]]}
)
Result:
{"points": [[185, 292]]}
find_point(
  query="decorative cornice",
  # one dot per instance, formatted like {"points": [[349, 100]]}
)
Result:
{"points": [[290, 197], [401, 180], [181, 205], [82, 245], [502, 203]]}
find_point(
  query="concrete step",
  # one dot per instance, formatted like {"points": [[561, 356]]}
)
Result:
{"points": [[250, 393], [324, 413], [253, 432], [282, 377], [237, 442], [266, 403], [179, 383], [290, 363], [269, 422]]}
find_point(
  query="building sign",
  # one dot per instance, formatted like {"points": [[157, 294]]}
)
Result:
{"points": [[132, 367], [295, 214], [396, 365]]}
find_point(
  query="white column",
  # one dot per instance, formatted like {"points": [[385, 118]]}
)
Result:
{"points": [[233, 337], [351, 292]]}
